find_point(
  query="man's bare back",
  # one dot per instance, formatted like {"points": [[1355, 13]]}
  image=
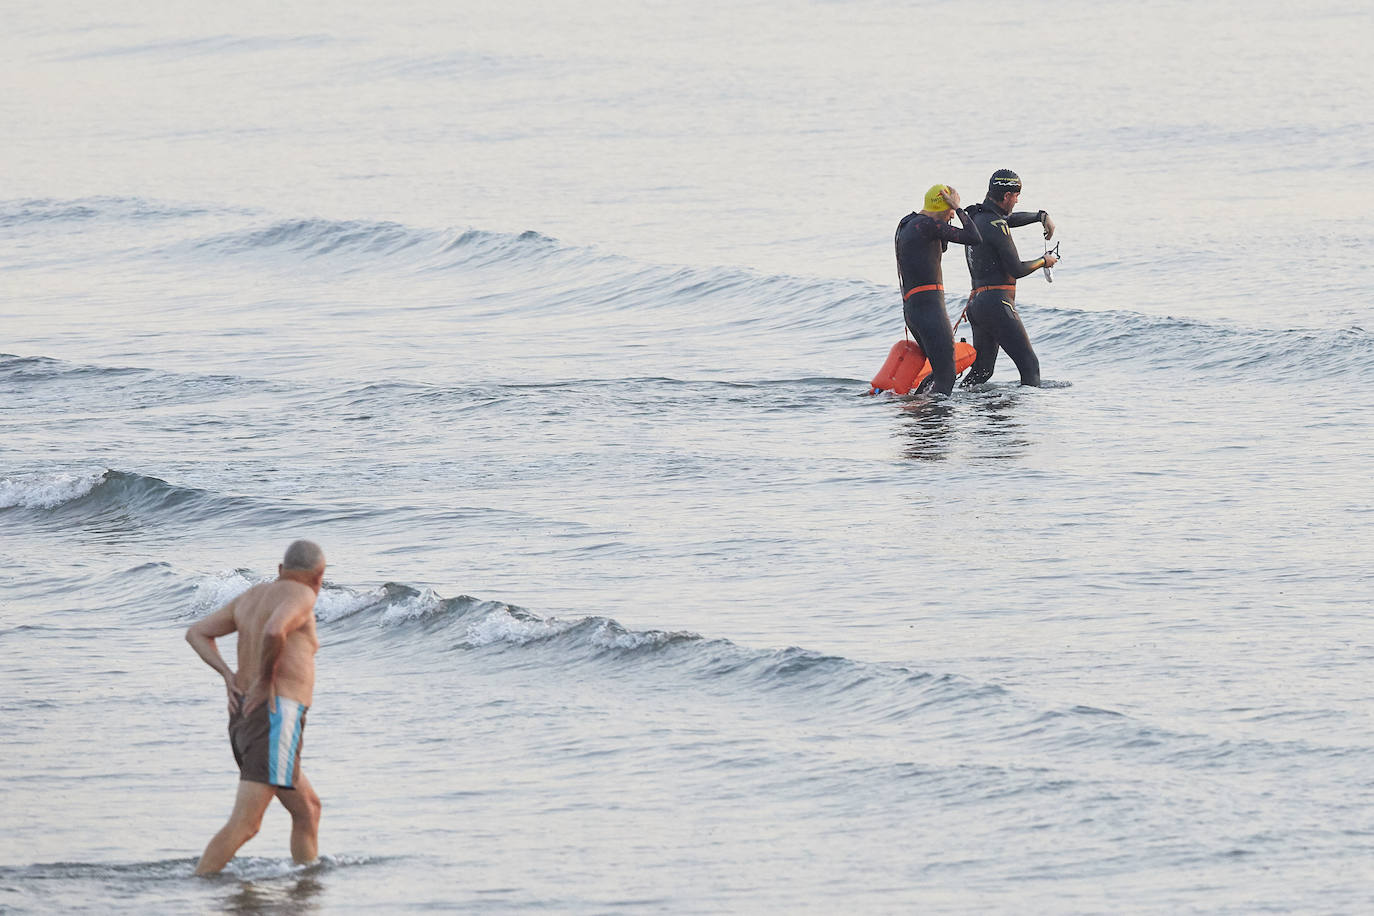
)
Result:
{"points": [[269, 697], [251, 612]]}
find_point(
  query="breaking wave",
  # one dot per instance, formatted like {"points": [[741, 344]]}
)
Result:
{"points": [[402, 621]]}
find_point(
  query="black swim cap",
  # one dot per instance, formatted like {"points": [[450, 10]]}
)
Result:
{"points": [[1002, 181]]}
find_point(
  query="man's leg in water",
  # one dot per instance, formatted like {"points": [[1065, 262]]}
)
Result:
{"points": [[1014, 339], [929, 323], [250, 803], [304, 806], [913, 329], [985, 343]]}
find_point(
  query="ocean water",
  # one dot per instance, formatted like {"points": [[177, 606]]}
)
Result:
{"points": [[552, 323]]}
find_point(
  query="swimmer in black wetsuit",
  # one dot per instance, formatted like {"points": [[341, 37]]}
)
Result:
{"points": [[921, 241], [994, 267]]}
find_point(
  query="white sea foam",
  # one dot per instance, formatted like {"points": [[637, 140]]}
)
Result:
{"points": [[46, 490], [611, 636], [335, 603], [412, 607], [502, 626], [215, 591], [498, 624], [262, 869]]}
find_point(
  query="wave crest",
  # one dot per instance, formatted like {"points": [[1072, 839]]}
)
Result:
{"points": [[47, 490], [400, 619], [372, 244]]}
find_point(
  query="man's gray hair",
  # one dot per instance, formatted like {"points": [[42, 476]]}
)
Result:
{"points": [[305, 555]]}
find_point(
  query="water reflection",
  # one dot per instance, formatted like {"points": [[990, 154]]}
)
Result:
{"points": [[998, 431], [927, 427], [294, 896], [983, 419]]}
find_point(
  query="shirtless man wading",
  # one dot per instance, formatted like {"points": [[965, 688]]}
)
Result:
{"points": [[268, 700]]}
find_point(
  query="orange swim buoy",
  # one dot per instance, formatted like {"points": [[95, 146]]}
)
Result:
{"points": [[907, 366], [904, 362], [964, 355]]}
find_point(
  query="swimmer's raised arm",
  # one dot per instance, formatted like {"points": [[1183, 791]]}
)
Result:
{"points": [[1025, 218]]}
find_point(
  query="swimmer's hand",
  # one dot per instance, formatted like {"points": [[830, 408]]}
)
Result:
{"points": [[951, 197], [1048, 224], [235, 695], [1051, 259]]}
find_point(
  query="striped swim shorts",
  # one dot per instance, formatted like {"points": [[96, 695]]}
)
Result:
{"points": [[267, 742]]}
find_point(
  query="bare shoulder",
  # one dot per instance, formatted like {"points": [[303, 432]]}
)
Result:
{"points": [[242, 606], [288, 591], [228, 617], [292, 603]]}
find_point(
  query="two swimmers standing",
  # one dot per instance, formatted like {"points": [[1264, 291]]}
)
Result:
{"points": [[994, 267]]}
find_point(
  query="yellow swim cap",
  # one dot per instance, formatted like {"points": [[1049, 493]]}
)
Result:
{"points": [[934, 202]]}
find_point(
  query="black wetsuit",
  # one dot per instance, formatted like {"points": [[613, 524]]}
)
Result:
{"points": [[920, 242], [994, 267]]}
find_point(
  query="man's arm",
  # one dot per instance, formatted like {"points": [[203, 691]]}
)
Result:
{"points": [[967, 235], [1023, 218], [202, 635], [290, 615], [1006, 251]]}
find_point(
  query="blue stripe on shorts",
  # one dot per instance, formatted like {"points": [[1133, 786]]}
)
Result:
{"points": [[287, 719]]}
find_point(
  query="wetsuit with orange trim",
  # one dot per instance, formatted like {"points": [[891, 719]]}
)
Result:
{"points": [[920, 242], [994, 267]]}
